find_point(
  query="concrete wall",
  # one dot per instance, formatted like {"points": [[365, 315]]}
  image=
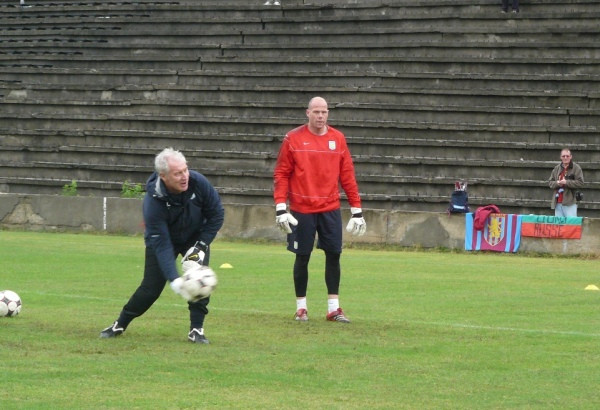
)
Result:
{"points": [[124, 216]]}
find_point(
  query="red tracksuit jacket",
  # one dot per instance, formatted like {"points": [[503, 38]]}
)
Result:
{"points": [[310, 168]]}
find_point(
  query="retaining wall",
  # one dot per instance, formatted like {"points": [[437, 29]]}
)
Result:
{"points": [[124, 216]]}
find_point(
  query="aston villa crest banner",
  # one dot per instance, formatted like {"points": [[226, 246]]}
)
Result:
{"points": [[501, 233]]}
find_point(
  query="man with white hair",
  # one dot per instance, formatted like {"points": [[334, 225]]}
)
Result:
{"points": [[182, 215]]}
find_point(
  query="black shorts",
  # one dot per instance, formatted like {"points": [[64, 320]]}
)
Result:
{"points": [[328, 226]]}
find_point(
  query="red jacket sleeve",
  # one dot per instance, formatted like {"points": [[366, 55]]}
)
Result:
{"points": [[348, 178], [282, 172]]}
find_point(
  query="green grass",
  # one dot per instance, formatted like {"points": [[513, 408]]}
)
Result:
{"points": [[430, 330]]}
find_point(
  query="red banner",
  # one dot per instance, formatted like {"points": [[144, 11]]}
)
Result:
{"points": [[543, 226]]}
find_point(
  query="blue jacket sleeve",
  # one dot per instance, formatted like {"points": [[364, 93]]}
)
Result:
{"points": [[158, 239], [212, 210]]}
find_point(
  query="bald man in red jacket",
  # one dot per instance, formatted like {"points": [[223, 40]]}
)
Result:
{"points": [[313, 161]]}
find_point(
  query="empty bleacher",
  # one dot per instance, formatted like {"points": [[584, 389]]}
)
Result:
{"points": [[427, 92]]}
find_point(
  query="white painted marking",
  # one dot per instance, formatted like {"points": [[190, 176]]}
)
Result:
{"points": [[442, 324]]}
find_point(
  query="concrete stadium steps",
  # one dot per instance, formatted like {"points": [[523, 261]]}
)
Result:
{"points": [[131, 35], [376, 151], [510, 81], [417, 53], [240, 40], [269, 99], [399, 193], [292, 9], [270, 60], [427, 92], [252, 23], [231, 154], [395, 195], [368, 114], [535, 144], [371, 155]]}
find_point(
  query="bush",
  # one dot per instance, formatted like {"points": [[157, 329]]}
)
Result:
{"points": [[131, 190], [70, 189]]}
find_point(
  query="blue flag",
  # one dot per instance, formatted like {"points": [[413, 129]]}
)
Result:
{"points": [[501, 233]]}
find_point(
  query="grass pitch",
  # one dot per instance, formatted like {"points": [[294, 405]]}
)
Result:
{"points": [[429, 331]]}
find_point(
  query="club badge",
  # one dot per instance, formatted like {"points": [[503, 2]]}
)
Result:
{"points": [[494, 231]]}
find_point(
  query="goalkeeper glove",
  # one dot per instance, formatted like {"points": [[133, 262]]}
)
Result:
{"points": [[178, 287], [196, 253], [188, 265], [357, 224], [283, 218]]}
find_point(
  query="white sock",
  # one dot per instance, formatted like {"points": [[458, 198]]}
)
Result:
{"points": [[301, 304], [333, 305]]}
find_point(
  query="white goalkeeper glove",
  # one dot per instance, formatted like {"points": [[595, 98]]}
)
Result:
{"points": [[188, 265], [195, 254], [357, 224], [178, 287], [284, 219]]}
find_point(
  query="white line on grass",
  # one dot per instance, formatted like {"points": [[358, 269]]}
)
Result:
{"points": [[508, 329], [455, 325], [125, 299]]}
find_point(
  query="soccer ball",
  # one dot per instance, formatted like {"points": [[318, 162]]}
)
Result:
{"points": [[10, 303], [200, 282]]}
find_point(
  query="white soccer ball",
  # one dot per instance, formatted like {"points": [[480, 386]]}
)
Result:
{"points": [[10, 303], [200, 282]]}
